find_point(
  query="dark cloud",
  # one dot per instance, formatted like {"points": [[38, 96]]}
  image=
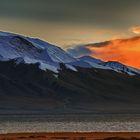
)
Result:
{"points": [[83, 50], [100, 44], [106, 13], [108, 48], [79, 51]]}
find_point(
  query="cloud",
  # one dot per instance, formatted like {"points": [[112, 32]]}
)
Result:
{"points": [[136, 29], [78, 51], [126, 51], [102, 13]]}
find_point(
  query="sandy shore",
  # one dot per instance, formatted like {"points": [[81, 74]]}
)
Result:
{"points": [[72, 136]]}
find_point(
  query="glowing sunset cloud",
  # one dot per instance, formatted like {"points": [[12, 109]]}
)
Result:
{"points": [[126, 51], [136, 29]]}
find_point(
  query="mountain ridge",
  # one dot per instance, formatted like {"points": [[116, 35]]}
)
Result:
{"points": [[33, 50], [38, 80], [26, 89]]}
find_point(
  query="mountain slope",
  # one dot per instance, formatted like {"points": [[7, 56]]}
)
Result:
{"points": [[110, 65], [32, 50], [26, 88], [37, 77], [118, 67]]}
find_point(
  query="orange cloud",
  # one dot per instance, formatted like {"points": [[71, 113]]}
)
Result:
{"points": [[136, 29], [126, 51]]}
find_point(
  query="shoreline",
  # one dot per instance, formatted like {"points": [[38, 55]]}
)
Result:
{"points": [[70, 135], [73, 123]]}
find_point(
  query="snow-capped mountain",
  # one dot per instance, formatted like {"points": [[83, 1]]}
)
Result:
{"points": [[110, 65], [90, 59], [31, 50], [60, 83], [13, 46], [118, 67], [95, 63]]}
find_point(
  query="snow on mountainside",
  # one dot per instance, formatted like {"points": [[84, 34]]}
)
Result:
{"points": [[110, 65], [95, 63], [31, 50], [90, 59], [118, 67]]}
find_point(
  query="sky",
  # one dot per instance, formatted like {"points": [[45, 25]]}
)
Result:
{"points": [[126, 51], [69, 23]]}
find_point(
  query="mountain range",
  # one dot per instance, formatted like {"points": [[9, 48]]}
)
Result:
{"points": [[38, 77]]}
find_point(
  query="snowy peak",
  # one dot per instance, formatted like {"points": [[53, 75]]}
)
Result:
{"points": [[110, 65], [95, 63], [32, 51], [90, 59], [115, 65], [21, 46], [118, 67]]}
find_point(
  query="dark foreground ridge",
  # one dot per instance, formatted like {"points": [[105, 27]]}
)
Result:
{"points": [[25, 89]]}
